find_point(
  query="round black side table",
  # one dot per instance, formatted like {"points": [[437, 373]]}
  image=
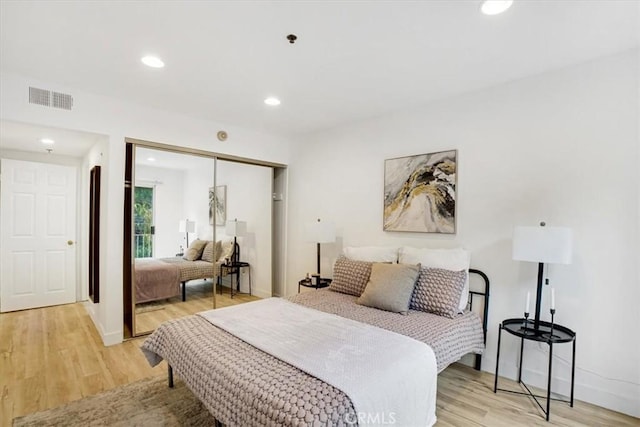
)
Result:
{"points": [[546, 333], [309, 283]]}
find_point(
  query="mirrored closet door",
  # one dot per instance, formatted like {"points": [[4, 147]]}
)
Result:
{"points": [[172, 236]]}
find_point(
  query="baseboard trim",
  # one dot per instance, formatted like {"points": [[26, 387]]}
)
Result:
{"points": [[262, 294], [621, 400], [614, 400], [111, 338]]}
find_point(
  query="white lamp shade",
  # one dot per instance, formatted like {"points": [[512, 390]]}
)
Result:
{"points": [[321, 232], [236, 228], [551, 245], [187, 226]]}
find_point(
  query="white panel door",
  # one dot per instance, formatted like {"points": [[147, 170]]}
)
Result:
{"points": [[38, 235]]}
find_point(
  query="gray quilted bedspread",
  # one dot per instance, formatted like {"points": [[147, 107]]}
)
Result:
{"points": [[450, 339], [243, 386]]}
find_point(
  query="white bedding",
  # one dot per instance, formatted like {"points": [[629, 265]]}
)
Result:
{"points": [[389, 378]]}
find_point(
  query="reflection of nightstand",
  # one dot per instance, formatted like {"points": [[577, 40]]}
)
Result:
{"points": [[318, 284], [547, 333], [232, 268]]}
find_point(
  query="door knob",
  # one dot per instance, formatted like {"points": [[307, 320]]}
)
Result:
{"points": [[70, 242]]}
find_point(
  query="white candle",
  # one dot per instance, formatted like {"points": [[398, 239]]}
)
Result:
{"points": [[526, 310], [553, 299]]}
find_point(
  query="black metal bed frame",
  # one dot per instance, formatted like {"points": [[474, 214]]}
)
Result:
{"points": [[485, 310]]}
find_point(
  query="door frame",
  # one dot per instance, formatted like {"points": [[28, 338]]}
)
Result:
{"points": [[278, 260]]}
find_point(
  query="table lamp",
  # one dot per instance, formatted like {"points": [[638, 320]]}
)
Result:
{"points": [[236, 229], [551, 245], [321, 232], [187, 227]]}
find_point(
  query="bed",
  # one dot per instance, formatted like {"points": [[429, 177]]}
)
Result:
{"points": [[242, 385], [163, 278], [155, 280]]}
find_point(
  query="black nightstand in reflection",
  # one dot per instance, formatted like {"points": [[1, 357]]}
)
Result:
{"points": [[317, 283], [233, 268]]}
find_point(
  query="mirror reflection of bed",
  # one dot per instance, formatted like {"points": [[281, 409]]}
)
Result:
{"points": [[176, 259]]}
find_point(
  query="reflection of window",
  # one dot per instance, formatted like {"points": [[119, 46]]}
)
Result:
{"points": [[143, 222]]}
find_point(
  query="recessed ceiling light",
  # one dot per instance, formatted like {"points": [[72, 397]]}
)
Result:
{"points": [[152, 61], [151, 159], [494, 7], [273, 101], [47, 141]]}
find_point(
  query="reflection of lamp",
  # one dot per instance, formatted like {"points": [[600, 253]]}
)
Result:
{"points": [[321, 232], [236, 229], [542, 245], [187, 227]]}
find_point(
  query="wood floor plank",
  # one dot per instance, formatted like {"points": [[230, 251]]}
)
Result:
{"points": [[6, 407], [199, 298]]}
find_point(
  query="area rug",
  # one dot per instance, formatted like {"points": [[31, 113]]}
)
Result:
{"points": [[149, 402], [147, 307]]}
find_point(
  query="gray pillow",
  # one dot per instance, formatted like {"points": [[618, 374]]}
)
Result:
{"points": [[438, 291], [390, 287]]}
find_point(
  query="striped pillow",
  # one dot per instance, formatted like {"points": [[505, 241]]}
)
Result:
{"points": [[211, 251]]}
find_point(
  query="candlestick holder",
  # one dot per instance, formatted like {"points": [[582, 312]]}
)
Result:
{"points": [[550, 336], [525, 324]]}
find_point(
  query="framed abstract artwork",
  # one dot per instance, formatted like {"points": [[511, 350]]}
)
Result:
{"points": [[218, 203], [420, 193]]}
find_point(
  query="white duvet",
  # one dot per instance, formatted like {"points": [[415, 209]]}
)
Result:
{"points": [[390, 378]]}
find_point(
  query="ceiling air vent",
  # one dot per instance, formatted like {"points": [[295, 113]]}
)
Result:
{"points": [[61, 100], [50, 99], [39, 96]]}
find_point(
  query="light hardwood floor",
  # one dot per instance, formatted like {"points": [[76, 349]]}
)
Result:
{"points": [[199, 298], [54, 355]]}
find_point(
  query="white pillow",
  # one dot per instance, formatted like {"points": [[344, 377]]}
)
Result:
{"points": [[447, 259], [372, 253]]}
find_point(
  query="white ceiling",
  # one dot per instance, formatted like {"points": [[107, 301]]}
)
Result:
{"points": [[353, 60], [26, 137], [171, 160]]}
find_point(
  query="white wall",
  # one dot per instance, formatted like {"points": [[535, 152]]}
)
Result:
{"points": [[560, 147], [197, 181], [168, 187], [119, 119]]}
